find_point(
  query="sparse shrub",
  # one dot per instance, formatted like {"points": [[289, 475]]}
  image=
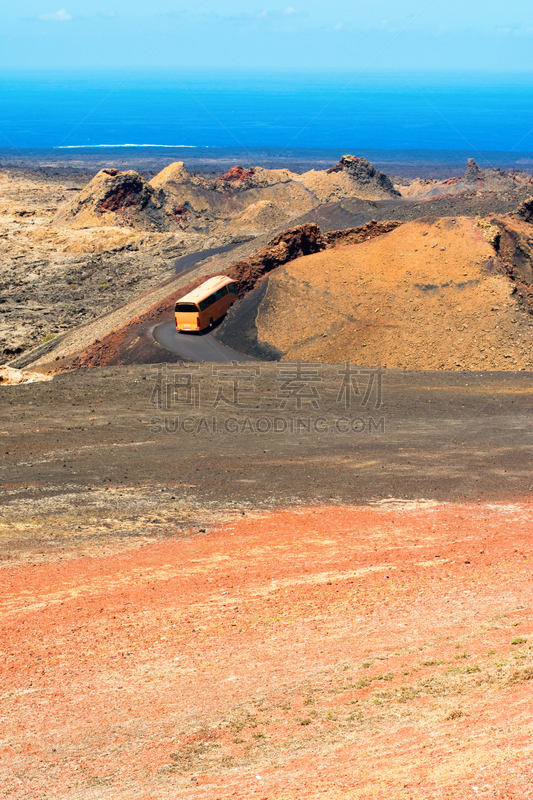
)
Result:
{"points": [[455, 714], [519, 640], [49, 337]]}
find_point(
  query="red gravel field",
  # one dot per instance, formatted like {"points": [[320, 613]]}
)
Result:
{"points": [[378, 651]]}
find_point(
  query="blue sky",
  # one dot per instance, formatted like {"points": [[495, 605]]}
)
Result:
{"points": [[338, 35]]}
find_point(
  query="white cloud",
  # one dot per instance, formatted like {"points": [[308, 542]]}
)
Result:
{"points": [[62, 15], [263, 15], [524, 30]]}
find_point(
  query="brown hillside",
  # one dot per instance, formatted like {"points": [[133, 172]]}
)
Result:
{"points": [[239, 204], [427, 295]]}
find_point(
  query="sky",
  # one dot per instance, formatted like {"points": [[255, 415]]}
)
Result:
{"points": [[234, 34]]}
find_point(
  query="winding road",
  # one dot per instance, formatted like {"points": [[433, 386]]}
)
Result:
{"points": [[195, 346]]}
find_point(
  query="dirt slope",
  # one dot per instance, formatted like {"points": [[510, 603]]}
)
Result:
{"points": [[337, 653], [428, 295]]}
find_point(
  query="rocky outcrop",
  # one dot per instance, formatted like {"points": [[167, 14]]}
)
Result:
{"points": [[301, 241], [236, 180], [363, 233], [363, 173], [477, 179], [474, 173], [351, 177], [514, 244], [116, 198], [525, 210]]}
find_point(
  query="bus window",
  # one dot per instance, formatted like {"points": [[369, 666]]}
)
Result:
{"points": [[232, 288], [203, 304], [220, 293], [183, 308]]}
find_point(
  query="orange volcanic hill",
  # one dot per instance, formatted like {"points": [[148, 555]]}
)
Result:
{"points": [[431, 294]]}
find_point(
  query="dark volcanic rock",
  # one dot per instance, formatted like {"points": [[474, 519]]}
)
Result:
{"points": [[525, 210], [291, 244], [362, 233], [474, 173], [515, 248]]}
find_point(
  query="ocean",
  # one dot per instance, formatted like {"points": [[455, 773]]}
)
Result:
{"points": [[412, 118]]}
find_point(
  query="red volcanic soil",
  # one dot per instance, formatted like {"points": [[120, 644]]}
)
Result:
{"points": [[360, 652], [236, 174]]}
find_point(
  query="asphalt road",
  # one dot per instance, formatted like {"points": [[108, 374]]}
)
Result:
{"points": [[186, 262], [195, 346]]}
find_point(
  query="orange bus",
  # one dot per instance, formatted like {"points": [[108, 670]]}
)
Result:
{"points": [[204, 305]]}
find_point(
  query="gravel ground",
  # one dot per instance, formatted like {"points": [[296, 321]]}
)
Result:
{"points": [[91, 445]]}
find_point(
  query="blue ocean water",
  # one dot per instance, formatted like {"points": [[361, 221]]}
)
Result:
{"points": [[433, 111]]}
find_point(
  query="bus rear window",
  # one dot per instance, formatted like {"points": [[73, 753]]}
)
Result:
{"points": [[184, 308]]}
